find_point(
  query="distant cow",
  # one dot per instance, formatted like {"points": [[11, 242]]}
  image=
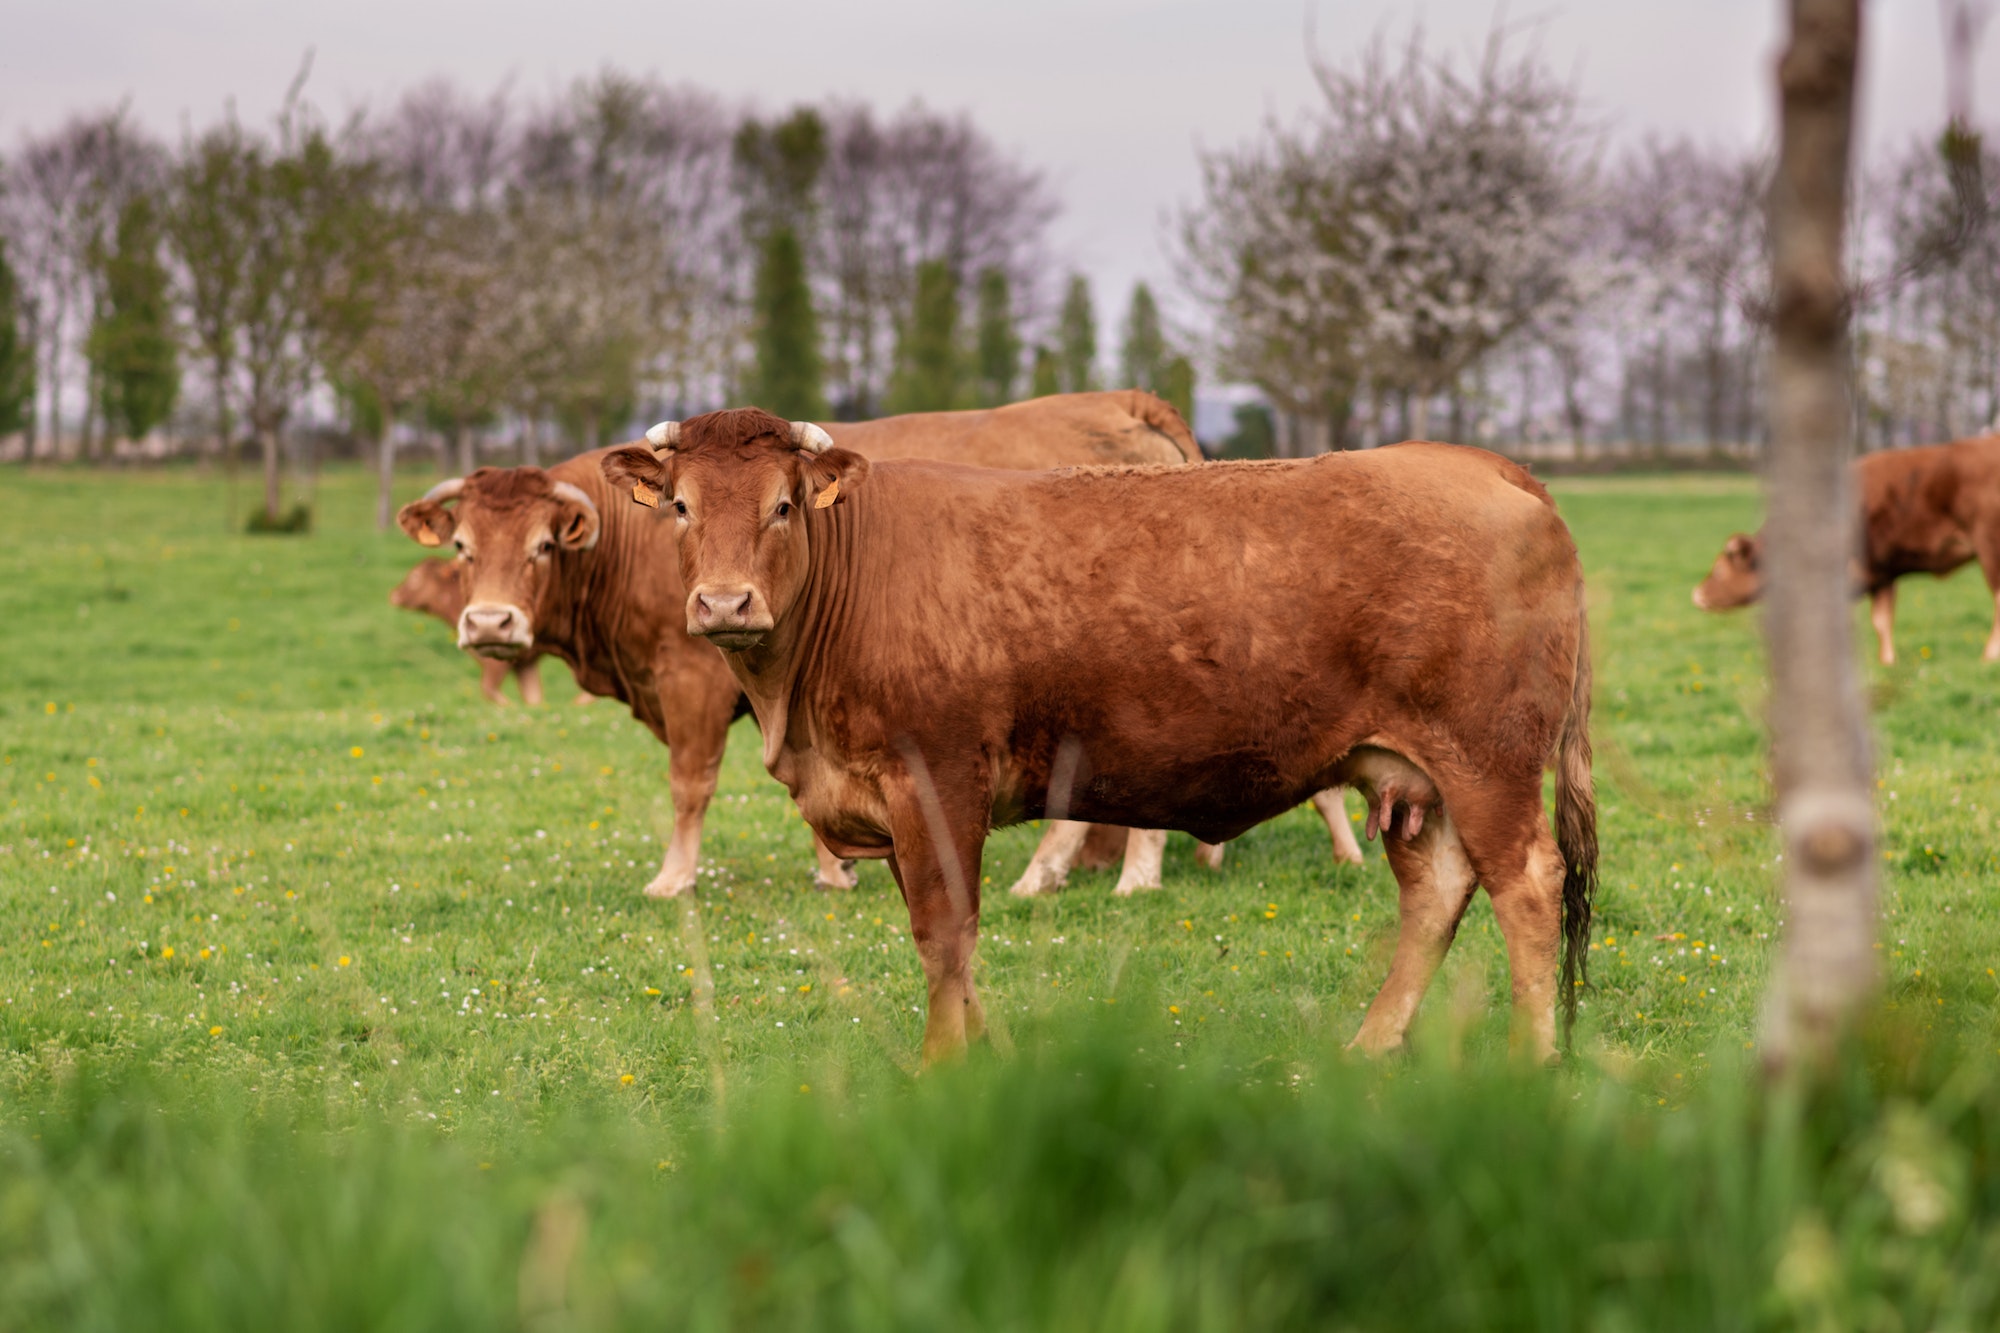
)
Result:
{"points": [[932, 651], [548, 564], [433, 587], [1924, 511]]}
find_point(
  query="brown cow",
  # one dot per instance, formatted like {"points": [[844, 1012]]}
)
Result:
{"points": [[433, 587], [1923, 511], [548, 564], [934, 650]]}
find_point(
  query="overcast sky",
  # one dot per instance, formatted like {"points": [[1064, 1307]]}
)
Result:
{"points": [[1110, 98]]}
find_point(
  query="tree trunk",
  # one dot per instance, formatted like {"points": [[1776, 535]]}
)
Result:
{"points": [[385, 478], [267, 441], [531, 429], [1819, 739], [1417, 416], [462, 437]]}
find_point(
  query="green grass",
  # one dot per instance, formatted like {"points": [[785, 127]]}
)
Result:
{"points": [[406, 938]]}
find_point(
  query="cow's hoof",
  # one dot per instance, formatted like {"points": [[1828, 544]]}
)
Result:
{"points": [[1344, 857], [1125, 890], [841, 881], [1033, 885], [662, 887]]}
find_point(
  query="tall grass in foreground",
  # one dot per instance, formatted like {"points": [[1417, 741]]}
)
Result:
{"points": [[1079, 1185]]}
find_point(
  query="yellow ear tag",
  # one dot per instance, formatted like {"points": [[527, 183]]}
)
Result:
{"points": [[425, 537], [645, 495], [829, 495]]}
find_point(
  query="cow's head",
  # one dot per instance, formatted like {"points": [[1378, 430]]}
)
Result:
{"points": [[433, 587], [738, 486], [507, 525], [1737, 577]]}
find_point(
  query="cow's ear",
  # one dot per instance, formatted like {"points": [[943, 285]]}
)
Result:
{"points": [[637, 472], [427, 521], [830, 475]]}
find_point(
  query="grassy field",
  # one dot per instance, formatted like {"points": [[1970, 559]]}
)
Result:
{"points": [[270, 864]]}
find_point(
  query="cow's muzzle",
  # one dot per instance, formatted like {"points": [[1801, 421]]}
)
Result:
{"points": [[495, 629], [730, 617]]}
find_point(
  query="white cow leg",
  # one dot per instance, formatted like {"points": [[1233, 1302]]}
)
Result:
{"points": [[1048, 869], [677, 868], [1208, 855], [1992, 653], [832, 872], [1145, 848], [1882, 614], [1333, 809]]}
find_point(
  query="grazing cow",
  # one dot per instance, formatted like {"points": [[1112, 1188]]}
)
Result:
{"points": [[1923, 511], [432, 587], [932, 650], [548, 564]]}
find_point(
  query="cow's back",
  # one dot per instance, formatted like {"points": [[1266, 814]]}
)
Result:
{"points": [[1127, 426], [1919, 506]]}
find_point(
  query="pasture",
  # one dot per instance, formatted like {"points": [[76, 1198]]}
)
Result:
{"points": [[326, 990]]}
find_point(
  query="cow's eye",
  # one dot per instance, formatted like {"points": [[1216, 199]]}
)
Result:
{"points": [[784, 509], [680, 508], [544, 546]]}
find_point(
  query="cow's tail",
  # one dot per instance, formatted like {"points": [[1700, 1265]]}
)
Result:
{"points": [[1576, 826], [1161, 415]]}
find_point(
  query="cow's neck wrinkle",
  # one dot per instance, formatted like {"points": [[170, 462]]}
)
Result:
{"points": [[771, 673], [593, 607]]}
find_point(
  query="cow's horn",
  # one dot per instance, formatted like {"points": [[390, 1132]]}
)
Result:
{"points": [[810, 438], [664, 435], [445, 490], [575, 494]]}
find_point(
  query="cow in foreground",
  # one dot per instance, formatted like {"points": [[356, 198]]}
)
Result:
{"points": [[546, 562], [931, 651], [1923, 511]]}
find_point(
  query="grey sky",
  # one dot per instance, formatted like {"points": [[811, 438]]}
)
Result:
{"points": [[1109, 97]]}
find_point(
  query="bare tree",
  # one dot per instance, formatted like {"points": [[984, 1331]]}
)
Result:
{"points": [[63, 195], [1421, 217], [916, 189], [1820, 756]]}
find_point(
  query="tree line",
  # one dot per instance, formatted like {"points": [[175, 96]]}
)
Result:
{"points": [[491, 275], [1443, 246]]}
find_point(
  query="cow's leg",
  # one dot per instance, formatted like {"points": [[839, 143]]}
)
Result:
{"points": [[944, 915], [1515, 856], [1048, 869], [1882, 614], [1332, 809], [1434, 881], [492, 675], [697, 712], [1145, 849], [1208, 855], [1103, 847], [832, 872], [1988, 550], [528, 679]]}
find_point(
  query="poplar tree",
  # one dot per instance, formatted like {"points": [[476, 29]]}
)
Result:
{"points": [[999, 345], [131, 346], [778, 173], [1046, 377], [1077, 352], [929, 364], [1143, 355], [17, 355], [788, 375]]}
